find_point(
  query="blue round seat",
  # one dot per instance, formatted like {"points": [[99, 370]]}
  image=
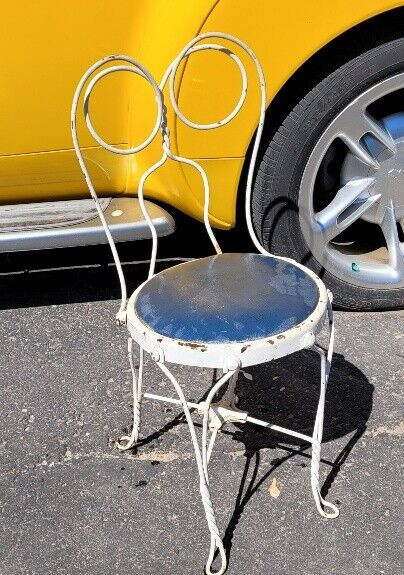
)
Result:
{"points": [[227, 298]]}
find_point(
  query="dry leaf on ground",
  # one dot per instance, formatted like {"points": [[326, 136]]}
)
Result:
{"points": [[274, 489]]}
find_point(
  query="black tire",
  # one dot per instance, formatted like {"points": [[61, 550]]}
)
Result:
{"points": [[277, 184]]}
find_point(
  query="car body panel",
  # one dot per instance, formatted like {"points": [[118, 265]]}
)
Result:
{"points": [[51, 44]]}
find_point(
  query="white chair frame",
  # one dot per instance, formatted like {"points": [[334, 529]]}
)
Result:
{"points": [[230, 357]]}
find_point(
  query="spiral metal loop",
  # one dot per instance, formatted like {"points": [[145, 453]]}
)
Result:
{"points": [[139, 71], [173, 73]]}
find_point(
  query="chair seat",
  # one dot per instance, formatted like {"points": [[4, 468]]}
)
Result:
{"points": [[226, 298]]}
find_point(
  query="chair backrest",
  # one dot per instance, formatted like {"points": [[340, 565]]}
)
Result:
{"points": [[135, 67]]}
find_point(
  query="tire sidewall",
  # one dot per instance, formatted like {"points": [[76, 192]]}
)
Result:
{"points": [[279, 227]]}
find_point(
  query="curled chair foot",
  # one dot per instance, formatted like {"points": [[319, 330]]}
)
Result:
{"points": [[125, 442], [324, 507], [334, 511]]}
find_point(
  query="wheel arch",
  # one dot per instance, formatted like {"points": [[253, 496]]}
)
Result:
{"points": [[364, 36]]}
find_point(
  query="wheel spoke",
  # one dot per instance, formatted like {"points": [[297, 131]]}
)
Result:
{"points": [[356, 125], [379, 132], [394, 246], [345, 208]]}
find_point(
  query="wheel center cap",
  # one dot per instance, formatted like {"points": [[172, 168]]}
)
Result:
{"points": [[389, 184], [395, 183]]}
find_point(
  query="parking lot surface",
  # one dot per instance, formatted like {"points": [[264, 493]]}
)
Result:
{"points": [[71, 503]]}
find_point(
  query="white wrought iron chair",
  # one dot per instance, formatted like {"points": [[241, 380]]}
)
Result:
{"points": [[226, 311]]}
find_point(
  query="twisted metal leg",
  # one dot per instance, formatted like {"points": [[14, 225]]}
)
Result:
{"points": [[201, 461], [207, 451], [326, 359], [128, 441]]}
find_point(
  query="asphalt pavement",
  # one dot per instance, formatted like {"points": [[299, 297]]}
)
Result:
{"points": [[71, 503]]}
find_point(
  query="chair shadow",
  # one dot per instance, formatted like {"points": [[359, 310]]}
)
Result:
{"points": [[290, 386], [285, 392]]}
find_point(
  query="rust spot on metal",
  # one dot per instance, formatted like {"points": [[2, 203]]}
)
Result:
{"points": [[280, 337], [271, 341], [200, 346], [245, 347]]}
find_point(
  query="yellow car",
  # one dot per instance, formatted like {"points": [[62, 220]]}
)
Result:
{"points": [[329, 189]]}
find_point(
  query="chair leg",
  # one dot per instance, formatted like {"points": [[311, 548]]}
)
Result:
{"points": [[231, 377], [326, 359], [128, 441], [321, 503], [215, 539], [229, 397]]}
